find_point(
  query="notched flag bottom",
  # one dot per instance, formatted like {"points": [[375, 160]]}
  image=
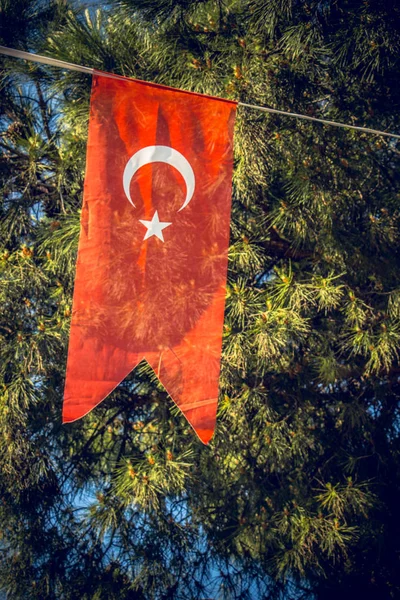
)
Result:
{"points": [[152, 257]]}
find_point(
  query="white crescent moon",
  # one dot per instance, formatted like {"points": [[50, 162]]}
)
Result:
{"points": [[164, 154]]}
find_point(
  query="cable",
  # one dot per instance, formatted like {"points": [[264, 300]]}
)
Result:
{"points": [[325, 121], [45, 60], [72, 67]]}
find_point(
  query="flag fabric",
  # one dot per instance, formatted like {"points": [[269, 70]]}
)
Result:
{"points": [[152, 257]]}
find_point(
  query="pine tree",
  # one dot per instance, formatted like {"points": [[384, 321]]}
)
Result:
{"points": [[297, 495]]}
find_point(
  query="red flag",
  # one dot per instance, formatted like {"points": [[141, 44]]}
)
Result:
{"points": [[152, 258]]}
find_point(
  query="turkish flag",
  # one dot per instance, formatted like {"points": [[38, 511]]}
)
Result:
{"points": [[152, 258]]}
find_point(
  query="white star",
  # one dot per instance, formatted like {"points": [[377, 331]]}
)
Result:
{"points": [[154, 227]]}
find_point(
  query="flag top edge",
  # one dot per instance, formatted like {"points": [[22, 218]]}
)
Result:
{"points": [[161, 86]]}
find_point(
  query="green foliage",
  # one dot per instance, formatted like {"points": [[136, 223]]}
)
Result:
{"points": [[297, 495]]}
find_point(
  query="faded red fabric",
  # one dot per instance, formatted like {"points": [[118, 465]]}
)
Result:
{"points": [[137, 298]]}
